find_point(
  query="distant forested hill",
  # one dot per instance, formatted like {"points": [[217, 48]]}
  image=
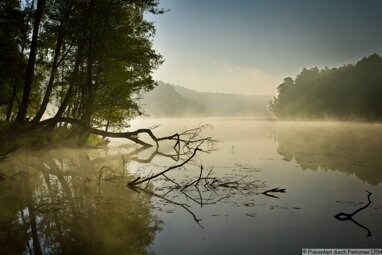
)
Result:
{"points": [[174, 101], [350, 92]]}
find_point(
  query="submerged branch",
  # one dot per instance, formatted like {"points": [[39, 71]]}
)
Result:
{"points": [[184, 206], [137, 181], [274, 190], [346, 216], [349, 216]]}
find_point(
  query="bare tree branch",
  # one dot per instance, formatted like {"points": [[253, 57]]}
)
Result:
{"points": [[137, 181], [187, 138]]}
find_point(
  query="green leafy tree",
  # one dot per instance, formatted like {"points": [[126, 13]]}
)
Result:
{"points": [[350, 92], [87, 61]]}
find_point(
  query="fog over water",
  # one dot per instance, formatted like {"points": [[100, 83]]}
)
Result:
{"points": [[167, 127], [325, 167]]}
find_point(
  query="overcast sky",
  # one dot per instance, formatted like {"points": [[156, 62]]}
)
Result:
{"points": [[249, 46]]}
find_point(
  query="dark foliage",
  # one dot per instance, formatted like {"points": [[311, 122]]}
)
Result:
{"points": [[350, 92], [89, 60]]}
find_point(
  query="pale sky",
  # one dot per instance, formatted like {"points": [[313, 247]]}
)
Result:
{"points": [[249, 46]]}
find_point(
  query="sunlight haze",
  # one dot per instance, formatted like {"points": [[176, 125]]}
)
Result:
{"points": [[250, 46], [209, 127]]}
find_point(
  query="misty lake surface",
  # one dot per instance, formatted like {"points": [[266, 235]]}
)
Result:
{"points": [[72, 201]]}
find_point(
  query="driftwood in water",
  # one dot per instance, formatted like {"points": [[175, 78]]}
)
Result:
{"points": [[349, 216], [193, 189], [274, 190]]}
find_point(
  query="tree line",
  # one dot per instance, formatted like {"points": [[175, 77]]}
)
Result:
{"points": [[84, 61], [350, 92], [167, 100]]}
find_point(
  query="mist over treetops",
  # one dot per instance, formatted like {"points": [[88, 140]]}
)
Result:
{"points": [[167, 100]]}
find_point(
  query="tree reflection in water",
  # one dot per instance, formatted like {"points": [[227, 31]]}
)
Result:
{"points": [[77, 201], [353, 149], [57, 202]]}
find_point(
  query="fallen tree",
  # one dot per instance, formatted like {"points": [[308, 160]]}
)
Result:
{"points": [[184, 140]]}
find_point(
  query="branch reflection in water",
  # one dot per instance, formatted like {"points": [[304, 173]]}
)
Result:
{"points": [[76, 201], [59, 203], [352, 149], [349, 216]]}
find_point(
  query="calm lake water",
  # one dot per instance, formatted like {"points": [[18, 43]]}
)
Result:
{"points": [[67, 201]]}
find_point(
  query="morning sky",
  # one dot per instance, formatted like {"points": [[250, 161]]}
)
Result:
{"points": [[248, 47]]}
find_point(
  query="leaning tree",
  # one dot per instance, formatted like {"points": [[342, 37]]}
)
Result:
{"points": [[76, 63]]}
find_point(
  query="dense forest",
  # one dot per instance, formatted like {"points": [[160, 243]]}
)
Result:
{"points": [[175, 101], [78, 62], [350, 92]]}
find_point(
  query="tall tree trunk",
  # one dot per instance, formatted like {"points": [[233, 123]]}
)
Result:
{"points": [[21, 57], [10, 103], [88, 92], [15, 84], [57, 51], [72, 82], [31, 63], [88, 95]]}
